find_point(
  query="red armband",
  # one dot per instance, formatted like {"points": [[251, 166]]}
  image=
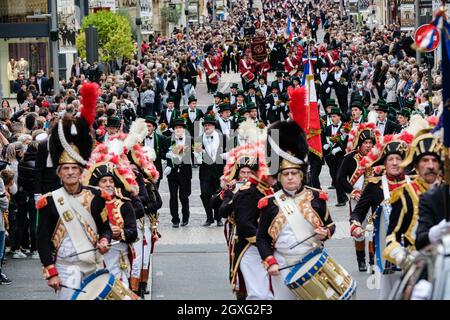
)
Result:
{"points": [[49, 272], [269, 261]]}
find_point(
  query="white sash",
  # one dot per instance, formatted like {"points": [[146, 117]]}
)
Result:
{"points": [[384, 182], [209, 64], [290, 63], [68, 209], [299, 225]]}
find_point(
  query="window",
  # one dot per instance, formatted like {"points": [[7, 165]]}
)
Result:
{"points": [[16, 11]]}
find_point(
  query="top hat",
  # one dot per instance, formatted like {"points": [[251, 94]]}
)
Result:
{"points": [[113, 122], [234, 86], [208, 119], [191, 99], [151, 119]]}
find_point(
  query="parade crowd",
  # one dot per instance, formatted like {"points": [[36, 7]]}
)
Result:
{"points": [[373, 131]]}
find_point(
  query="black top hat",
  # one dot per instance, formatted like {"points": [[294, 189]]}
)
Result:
{"points": [[274, 86], [251, 106], [224, 107], [357, 103], [336, 110], [151, 119], [113, 122], [279, 74], [218, 95]]}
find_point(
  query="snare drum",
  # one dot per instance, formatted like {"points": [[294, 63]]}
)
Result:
{"points": [[101, 285], [319, 277]]}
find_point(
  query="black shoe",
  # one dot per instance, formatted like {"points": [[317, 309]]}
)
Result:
{"points": [[331, 188], [144, 287], [176, 225], [184, 223], [207, 224], [362, 266], [4, 279], [219, 223], [341, 204]]}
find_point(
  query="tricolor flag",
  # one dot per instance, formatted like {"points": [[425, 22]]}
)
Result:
{"points": [[288, 32], [313, 125]]}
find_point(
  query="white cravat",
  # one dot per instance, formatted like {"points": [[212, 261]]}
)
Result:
{"points": [[169, 115], [225, 126], [150, 142], [192, 115], [334, 129], [337, 75], [39, 81], [211, 145], [381, 126], [323, 76]]}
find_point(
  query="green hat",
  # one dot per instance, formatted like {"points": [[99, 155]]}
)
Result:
{"points": [[224, 107], [240, 120], [171, 99], [330, 103], [251, 106], [251, 86], [240, 93], [178, 122], [381, 105], [406, 112], [234, 86], [218, 94], [357, 104], [151, 119], [394, 105], [243, 111], [336, 110], [262, 77], [191, 98], [274, 86], [113, 122], [208, 119], [409, 103], [279, 74], [296, 78]]}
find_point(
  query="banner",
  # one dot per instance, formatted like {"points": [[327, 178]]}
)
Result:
{"points": [[146, 16], [363, 6], [407, 15], [68, 25], [96, 5], [258, 47]]}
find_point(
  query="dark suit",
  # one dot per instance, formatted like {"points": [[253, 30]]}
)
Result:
{"points": [[176, 93], [209, 173], [168, 121], [44, 85], [180, 180], [227, 138], [334, 162], [322, 86], [191, 125], [160, 145], [391, 127], [341, 90], [271, 115], [281, 89], [431, 212]]}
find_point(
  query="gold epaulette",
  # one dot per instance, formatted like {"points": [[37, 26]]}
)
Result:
{"points": [[315, 189], [263, 202], [246, 186], [374, 180]]}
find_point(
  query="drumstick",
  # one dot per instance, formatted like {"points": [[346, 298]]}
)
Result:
{"points": [[311, 236], [74, 289], [77, 254]]}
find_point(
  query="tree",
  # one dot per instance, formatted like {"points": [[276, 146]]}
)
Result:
{"points": [[114, 35]]}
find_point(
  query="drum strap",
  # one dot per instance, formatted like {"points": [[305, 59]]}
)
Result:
{"points": [[76, 220], [299, 225], [384, 182], [290, 63]]}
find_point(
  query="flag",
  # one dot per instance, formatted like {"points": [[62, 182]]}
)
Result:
{"points": [[288, 32], [313, 118]]}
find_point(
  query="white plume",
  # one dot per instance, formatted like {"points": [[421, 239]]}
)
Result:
{"points": [[249, 131], [137, 134], [115, 147], [416, 124], [372, 117], [150, 152]]}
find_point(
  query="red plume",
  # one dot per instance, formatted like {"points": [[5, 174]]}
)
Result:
{"points": [[298, 106], [89, 92]]}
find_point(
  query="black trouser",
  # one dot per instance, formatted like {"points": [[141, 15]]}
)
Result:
{"points": [[328, 161], [233, 65], [208, 185], [334, 164], [148, 109], [226, 64], [314, 171], [183, 185], [25, 209], [343, 102]]}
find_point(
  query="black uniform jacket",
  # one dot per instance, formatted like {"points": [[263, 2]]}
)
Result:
{"points": [[49, 218], [266, 237], [431, 212]]}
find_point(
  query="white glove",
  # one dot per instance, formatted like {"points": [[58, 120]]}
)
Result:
{"points": [[185, 80], [336, 150], [282, 104], [267, 106], [173, 90], [198, 157], [399, 254], [169, 155], [326, 147], [224, 156], [422, 290], [345, 83], [328, 90], [167, 171], [274, 107], [438, 231], [37, 196], [330, 82]]}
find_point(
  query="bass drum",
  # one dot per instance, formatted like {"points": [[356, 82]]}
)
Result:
{"points": [[101, 285], [381, 227]]}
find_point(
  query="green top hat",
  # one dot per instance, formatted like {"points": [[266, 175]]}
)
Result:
{"points": [[394, 105], [261, 77], [242, 111], [240, 93], [224, 107], [274, 86], [330, 103], [336, 110], [208, 119], [151, 119], [191, 98], [181, 122], [279, 74], [406, 112], [381, 105], [357, 104], [218, 95], [251, 86], [234, 86], [113, 122], [171, 99], [409, 103], [251, 106]]}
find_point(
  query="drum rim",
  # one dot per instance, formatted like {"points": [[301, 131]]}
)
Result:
{"points": [[294, 270], [90, 278], [378, 213]]}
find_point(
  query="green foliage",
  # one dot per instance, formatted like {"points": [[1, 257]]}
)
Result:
{"points": [[114, 35], [124, 12], [171, 15]]}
